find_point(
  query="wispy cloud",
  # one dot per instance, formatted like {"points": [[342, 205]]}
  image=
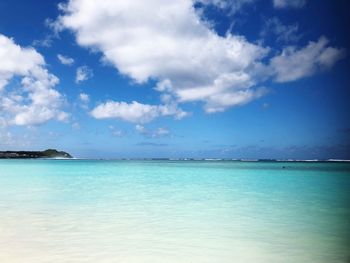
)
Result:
{"points": [[115, 132], [83, 100], [232, 6], [76, 126], [83, 73], [161, 132], [45, 42], [293, 64], [65, 60], [282, 33], [289, 3], [152, 144], [83, 97], [140, 129], [157, 133]]}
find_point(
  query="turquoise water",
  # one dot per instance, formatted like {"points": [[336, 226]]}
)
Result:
{"points": [[173, 211]]}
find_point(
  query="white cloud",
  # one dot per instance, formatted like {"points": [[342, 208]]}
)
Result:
{"points": [[159, 132], [289, 3], [219, 103], [83, 97], [173, 45], [83, 100], [116, 132], [34, 101], [283, 33], [65, 60], [135, 112], [83, 73], [76, 126], [169, 42], [140, 128], [232, 5], [45, 42], [294, 63]]}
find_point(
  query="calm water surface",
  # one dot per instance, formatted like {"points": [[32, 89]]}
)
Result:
{"points": [[174, 211]]}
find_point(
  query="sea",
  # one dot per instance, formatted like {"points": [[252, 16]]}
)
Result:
{"points": [[163, 211]]}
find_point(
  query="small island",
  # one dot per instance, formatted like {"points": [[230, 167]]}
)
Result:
{"points": [[49, 153]]}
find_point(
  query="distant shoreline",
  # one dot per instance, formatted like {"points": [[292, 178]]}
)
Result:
{"points": [[180, 159], [47, 154]]}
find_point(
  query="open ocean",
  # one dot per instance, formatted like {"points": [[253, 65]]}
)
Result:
{"points": [[174, 211]]}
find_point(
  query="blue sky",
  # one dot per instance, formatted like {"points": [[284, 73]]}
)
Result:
{"points": [[206, 78]]}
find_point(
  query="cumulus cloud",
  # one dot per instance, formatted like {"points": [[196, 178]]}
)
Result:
{"points": [[83, 73], [135, 112], [34, 101], [293, 64], [289, 3], [174, 46], [170, 43], [65, 60]]}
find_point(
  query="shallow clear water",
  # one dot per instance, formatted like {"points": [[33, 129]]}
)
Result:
{"points": [[173, 211]]}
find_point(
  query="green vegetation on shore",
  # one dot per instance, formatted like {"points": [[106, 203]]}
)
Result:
{"points": [[49, 153]]}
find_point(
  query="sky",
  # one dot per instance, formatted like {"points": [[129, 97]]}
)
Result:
{"points": [[241, 79]]}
